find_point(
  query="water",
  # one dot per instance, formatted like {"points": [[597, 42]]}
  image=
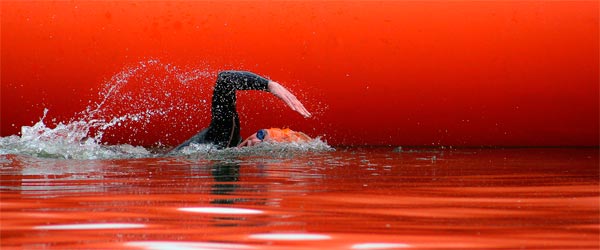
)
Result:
{"points": [[354, 198], [62, 186]]}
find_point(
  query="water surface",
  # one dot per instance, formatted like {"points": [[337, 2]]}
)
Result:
{"points": [[355, 198]]}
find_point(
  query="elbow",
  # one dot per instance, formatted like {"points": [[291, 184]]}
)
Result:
{"points": [[223, 75], [224, 81]]}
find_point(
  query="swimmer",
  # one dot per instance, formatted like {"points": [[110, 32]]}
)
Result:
{"points": [[224, 128]]}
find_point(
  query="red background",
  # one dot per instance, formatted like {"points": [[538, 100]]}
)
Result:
{"points": [[506, 73]]}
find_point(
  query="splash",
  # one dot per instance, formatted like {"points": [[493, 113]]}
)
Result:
{"points": [[144, 97], [72, 141], [132, 100], [67, 141], [140, 98]]}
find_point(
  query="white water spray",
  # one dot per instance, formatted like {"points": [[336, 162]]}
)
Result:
{"points": [[82, 136]]}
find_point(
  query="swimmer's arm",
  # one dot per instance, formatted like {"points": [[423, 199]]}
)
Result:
{"points": [[224, 99], [224, 129], [243, 80]]}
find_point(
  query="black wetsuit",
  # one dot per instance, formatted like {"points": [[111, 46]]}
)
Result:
{"points": [[224, 128]]}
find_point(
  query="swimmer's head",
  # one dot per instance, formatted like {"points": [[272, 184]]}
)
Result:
{"points": [[275, 135]]}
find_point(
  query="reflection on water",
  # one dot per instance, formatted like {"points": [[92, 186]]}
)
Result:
{"points": [[360, 198], [90, 226]]}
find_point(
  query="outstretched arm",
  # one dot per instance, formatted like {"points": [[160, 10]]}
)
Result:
{"points": [[230, 81]]}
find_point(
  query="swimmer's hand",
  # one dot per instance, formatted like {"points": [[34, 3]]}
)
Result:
{"points": [[289, 98]]}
